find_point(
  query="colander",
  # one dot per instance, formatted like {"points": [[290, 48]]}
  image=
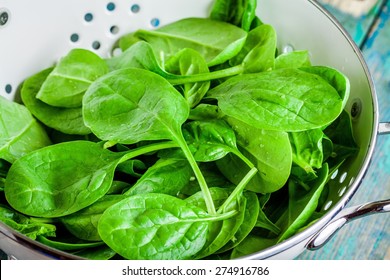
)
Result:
{"points": [[35, 34]]}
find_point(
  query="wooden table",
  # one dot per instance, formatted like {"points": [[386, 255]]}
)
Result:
{"points": [[367, 238]]}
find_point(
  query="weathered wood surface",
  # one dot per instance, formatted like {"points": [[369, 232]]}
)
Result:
{"points": [[369, 237]]}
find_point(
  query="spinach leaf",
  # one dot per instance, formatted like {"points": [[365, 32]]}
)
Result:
{"points": [[294, 59], [237, 12], [269, 151], [251, 245], [211, 140], [284, 100], [258, 52], [307, 149], [189, 62], [340, 133], [65, 120], [216, 41], [302, 204], [60, 179], [205, 112], [68, 244], [250, 217], [154, 226], [166, 176], [83, 224], [70, 78], [20, 133], [64, 178], [140, 106], [25, 225]]}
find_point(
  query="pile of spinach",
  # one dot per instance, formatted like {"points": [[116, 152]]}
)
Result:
{"points": [[200, 140]]}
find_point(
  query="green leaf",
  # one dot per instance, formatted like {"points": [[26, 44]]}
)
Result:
{"points": [[138, 105], [166, 176], [283, 100], [83, 224], [154, 226], [294, 59], [258, 53], [65, 120], [66, 84], [60, 179], [302, 204], [216, 41], [269, 151], [25, 225], [189, 62], [20, 133], [238, 12], [307, 149], [209, 140]]}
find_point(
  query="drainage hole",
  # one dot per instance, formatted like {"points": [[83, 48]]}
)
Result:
{"points": [[135, 8], [155, 22], [114, 29], [356, 108], [74, 37], [110, 6], [96, 45], [8, 88], [88, 17], [4, 17]]}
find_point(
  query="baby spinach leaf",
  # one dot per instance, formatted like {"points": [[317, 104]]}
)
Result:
{"points": [[258, 53], [60, 179], [335, 78], [69, 243], [166, 176], [205, 112], [251, 245], [20, 133], [216, 41], [140, 106], [25, 225], [210, 140], [269, 151], [284, 99], [65, 120], [302, 204], [307, 149], [238, 12], [294, 59], [221, 232], [154, 226], [252, 211], [140, 55], [70, 78], [83, 224], [189, 62]]}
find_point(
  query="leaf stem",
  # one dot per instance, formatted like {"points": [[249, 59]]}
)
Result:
{"points": [[147, 149], [198, 174], [238, 190], [232, 71]]}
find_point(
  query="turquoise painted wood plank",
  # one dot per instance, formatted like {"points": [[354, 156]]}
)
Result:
{"points": [[356, 26], [369, 238]]}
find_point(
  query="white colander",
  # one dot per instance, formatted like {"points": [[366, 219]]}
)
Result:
{"points": [[35, 34]]}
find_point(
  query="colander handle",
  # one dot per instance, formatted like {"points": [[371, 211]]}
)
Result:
{"points": [[384, 128], [345, 216]]}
